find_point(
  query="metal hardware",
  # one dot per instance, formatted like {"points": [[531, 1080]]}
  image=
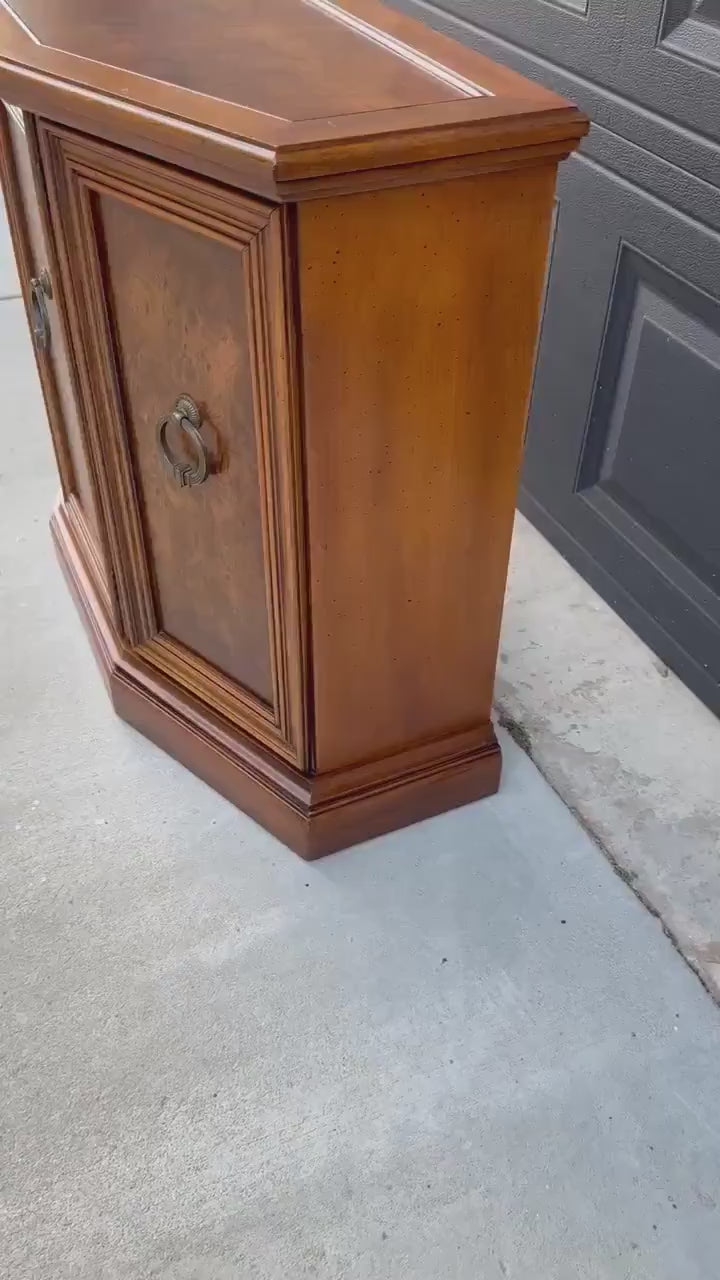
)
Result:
{"points": [[40, 289], [186, 417]]}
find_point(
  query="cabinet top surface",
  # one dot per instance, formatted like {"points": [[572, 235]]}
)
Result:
{"points": [[292, 59], [270, 73]]}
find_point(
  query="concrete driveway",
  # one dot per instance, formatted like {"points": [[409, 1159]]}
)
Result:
{"points": [[463, 1052]]}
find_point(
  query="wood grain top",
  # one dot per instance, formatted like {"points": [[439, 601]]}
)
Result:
{"points": [[302, 89], [287, 58]]}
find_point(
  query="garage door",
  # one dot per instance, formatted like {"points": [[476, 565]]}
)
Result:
{"points": [[622, 468]]}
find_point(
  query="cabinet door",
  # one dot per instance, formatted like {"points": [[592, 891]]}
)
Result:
{"points": [[27, 214], [175, 289]]}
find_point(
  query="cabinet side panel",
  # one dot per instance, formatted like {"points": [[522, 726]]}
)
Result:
{"points": [[419, 315]]}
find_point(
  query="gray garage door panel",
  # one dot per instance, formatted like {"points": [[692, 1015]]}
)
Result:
{"points": [[590, 41], [671, 60], [623, 449], [662, 54]]}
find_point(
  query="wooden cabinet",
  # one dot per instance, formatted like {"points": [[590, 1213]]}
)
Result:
{"points": [[174, 290], [285, 296]]}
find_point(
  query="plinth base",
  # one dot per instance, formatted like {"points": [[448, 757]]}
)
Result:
{"points": [[313, 814]]}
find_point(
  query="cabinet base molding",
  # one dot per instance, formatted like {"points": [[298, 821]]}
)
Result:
{"points": [[313, 814]]}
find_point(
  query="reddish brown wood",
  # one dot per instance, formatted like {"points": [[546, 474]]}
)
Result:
{"points": [[291, 53], [293, 90], [181, 291], [175, 303], [31, 244], [413, 446], [328, 227]]}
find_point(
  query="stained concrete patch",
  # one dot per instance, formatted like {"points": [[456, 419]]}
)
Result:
{"points": [[624, 743]]}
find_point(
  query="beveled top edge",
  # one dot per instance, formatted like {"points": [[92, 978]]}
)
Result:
{"points": [[491, 106], [410, 54]]}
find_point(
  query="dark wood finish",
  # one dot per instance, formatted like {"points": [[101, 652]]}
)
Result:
{"points": [[312, 627]]}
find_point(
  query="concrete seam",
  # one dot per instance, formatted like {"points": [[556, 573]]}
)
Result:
{"points": [[522, 738]]}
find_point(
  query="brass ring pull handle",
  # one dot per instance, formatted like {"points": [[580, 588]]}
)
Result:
{"points": [[185, 416], [40, 289]]}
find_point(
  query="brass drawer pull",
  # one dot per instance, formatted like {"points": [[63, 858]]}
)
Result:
{"points": [[40, 289], [185, 416]]}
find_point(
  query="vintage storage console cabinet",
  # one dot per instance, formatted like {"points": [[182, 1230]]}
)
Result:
{"points": [[283, 262]]}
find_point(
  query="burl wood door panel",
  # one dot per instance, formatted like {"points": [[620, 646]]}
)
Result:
{"points": [[176, 291], [176, 300]]}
